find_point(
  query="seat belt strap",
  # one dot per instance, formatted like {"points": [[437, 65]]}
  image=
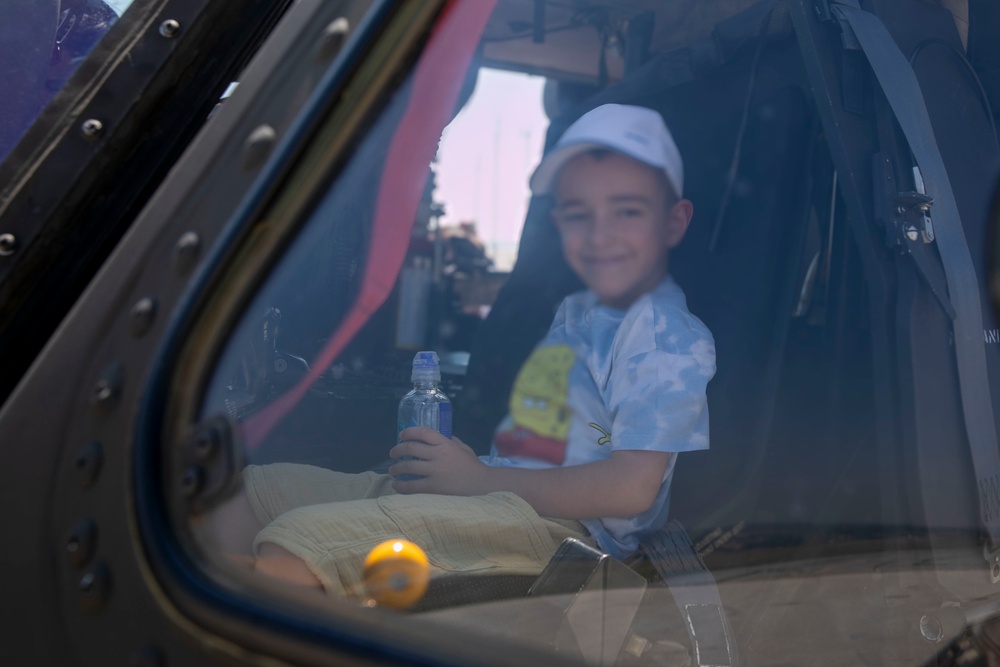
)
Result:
{"points": [[899, 83], [694, 591]]}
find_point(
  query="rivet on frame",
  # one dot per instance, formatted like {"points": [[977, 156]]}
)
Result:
{"points": [[258, 146], [192, 481], [186, 253], [206, 443], [142, 316], [92, 128], [94, 588], [81, 542], [108, 388], [88, 463], [332, 38], [170, 28], [8, 244]]}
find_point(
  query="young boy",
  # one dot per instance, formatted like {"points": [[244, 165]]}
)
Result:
{"points": [[597, 414]]}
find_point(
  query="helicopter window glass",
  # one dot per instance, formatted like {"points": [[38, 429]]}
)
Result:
{"points": [[42, 44], [488, 202], [793, 507]]}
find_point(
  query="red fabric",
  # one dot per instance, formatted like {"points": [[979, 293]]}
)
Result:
{"points": [[436, 83], [522, 442]]}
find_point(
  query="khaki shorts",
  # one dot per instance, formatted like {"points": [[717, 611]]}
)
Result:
{"points": [[331, 520]]}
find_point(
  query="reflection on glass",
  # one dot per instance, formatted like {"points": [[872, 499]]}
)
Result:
{"points": [[782, 532], [41, 45], [486, 156]]}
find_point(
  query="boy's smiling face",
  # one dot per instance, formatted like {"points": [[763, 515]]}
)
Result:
{"points": [[617, 221]]}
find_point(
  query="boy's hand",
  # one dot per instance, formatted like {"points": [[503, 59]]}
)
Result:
{"points": [[623, 485], [447, 466]]}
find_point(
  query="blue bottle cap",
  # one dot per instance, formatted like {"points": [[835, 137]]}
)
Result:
{"points": [[426, 366]]}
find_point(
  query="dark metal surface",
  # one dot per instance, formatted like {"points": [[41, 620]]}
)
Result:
{"points": [[67, 429], [81, 173]]}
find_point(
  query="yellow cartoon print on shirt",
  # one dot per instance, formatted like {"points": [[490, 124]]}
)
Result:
{"points": [[605, 438], [538, 400], [539, 408]]}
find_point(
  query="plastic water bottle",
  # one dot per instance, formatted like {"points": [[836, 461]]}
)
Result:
{"points": [[426, 405]]}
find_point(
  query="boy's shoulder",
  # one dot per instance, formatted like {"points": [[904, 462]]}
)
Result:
{"points": [[660, 320]]}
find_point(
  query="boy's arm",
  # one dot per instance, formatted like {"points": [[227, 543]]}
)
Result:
{"points": [[625, 484]]}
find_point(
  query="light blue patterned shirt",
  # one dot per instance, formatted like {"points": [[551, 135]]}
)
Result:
{"points": [[605, 380]]}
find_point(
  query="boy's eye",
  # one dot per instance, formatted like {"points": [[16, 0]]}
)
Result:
{"points": [[630, 212], [572, 217]]}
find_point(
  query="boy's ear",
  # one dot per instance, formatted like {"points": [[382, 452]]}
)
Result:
{"points": [[678, 219]]}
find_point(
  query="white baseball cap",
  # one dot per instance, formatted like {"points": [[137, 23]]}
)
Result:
{"points": [[637, 132]]}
